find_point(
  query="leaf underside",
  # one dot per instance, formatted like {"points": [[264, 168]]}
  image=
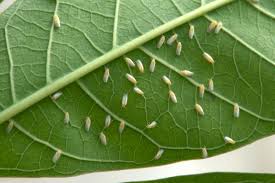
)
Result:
{"points": [[34, 54], [219, 177]]}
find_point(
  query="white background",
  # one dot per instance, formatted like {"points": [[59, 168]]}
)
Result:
{"points": [[254, 158]]}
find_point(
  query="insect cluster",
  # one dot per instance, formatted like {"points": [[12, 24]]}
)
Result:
{"points": [[214, 26]]}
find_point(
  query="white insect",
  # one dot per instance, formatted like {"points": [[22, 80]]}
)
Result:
{"points": [[159, 154], [218, 27], [66, 117], [211, 85], [124, 100], [212, 26], [103, 138], [56, 21], [191, 31], [108, 121], [201, 90], [121, 126], [56, 95], [236, 110], [131, 78], [140, 66], [186, 73], [172, 39], [10, 126], [56, 156], [199, 109], [88, 123], [161, 41], [229, 140], [106, 75], [166, 80], [152, 65], [208, 58], [153, 124], [138, 91], [204, 152], [172, 96], [129, 62], [178, 48]]}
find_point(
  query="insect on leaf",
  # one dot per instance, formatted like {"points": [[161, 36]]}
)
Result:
{"points": [[52, 73]]}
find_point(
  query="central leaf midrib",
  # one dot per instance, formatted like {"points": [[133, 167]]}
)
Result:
{"points": [[111, 55]]}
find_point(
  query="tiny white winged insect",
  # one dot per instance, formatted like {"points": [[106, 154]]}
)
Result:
{"points": [[166, 80], [199, 109], [131, 78], [204, 152], [56, 156], [124, 100], [88, 123], [229, 140], [191, 31], [103, 138], [186, 73], [129, 62], [152, 65], [208, 58], [121, 126], [108, 121], [173, 97], [161, 41], [106, 75], [56, 21], [138, 91], [218, 27], [153, 124], [66, 117], [56, 95], [178, 48], [212, 26], [10, 126], [159, 154], [211, 85], [201, 90], [140, 66], [172, 39], [236, 110]]}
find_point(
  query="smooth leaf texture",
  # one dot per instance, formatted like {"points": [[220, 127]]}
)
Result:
{"points": [[36, 58], [219, 177]]}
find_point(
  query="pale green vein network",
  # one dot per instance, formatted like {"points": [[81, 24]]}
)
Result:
{"points": [[13, 93], [226, 30], [197, 84], [21, 129], [262, 10], [128, 124], [119, 51]]}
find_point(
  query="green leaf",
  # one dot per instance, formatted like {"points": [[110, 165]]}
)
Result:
{"points": [[218, 178], [38, 60]]}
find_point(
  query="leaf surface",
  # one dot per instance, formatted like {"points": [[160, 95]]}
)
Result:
{"points": [[38, 59]]}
